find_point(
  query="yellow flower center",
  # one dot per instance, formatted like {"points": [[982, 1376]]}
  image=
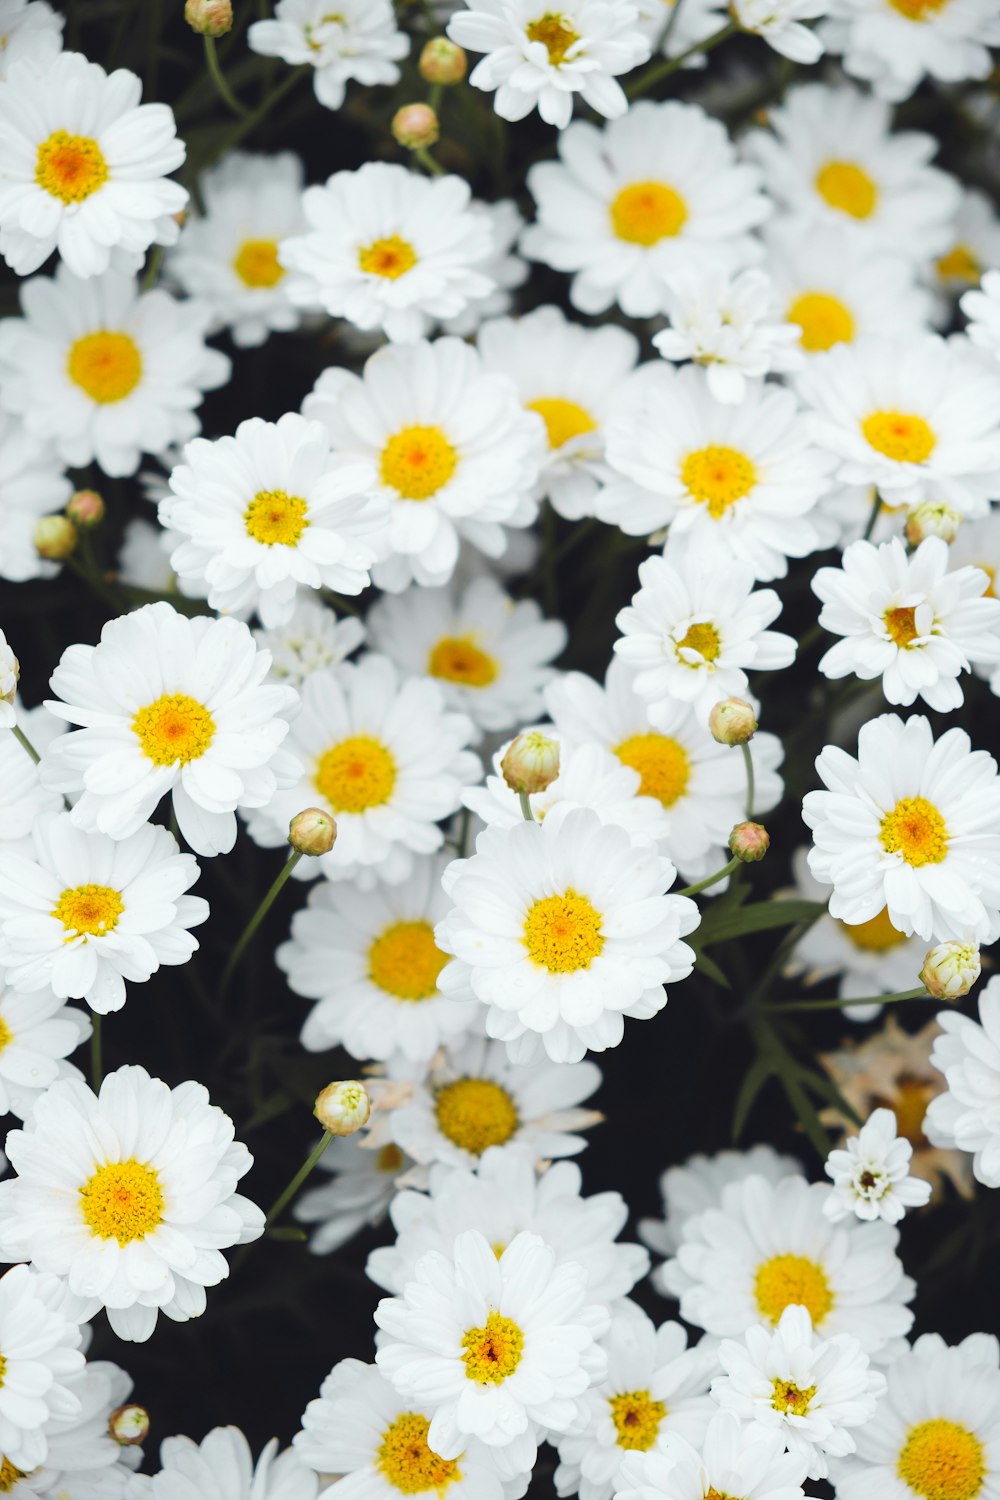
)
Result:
{"points": [[918, 10], [106, 366], [662, 763], [9, 1476], [405, 961], [70, 167], [718, 477], [916, 830], [6, 1035], [637, 1419], [703, 638], [356, 774], [793, 1400], [459, 659], [824, 321], [787, 1279], [123, 1201], [713, 1494], [493, 1352], [256, 263], [406, 1461], [389, 1159], [276, 519], [475, 1113], [900, 435], [174, 728], [91, 910], [901, 624], [390, 258], [847, 187], [418, 462], [563, 420], [553, 33], [960, 264], [646, 212], [563, 933], [875, 935], [942, 1460]]}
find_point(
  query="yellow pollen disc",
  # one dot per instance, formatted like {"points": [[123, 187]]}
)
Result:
{"points": [[390, 258], [6, 1035], [389, 1159], [106, 366], [459, 659], [557, 38], [418, 462], [256, 263], [663, 765], [875, 935], [637, 1419], [714, 1494], [785, 1279], [704, 639], [793, 1400], [960, 264], [89, 909], [718, 477], [918, 10], [174, 728], [563, 420], [356, 774], [824, 321], [493, 1352], [276, 519], [9, 1476], [902, 626], [942, 1461], [847, 187], [406, 1461], [122, 1201], [563, 933], [475, 1113], [900, 435], [916, 830], [70, 167], [646, 212], [405, 961]]}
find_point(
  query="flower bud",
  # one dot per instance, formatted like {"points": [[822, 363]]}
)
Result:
{"points": [[530, 762], [442, 61], [209, 17], [732, 722], [342, 1108], [415, 126], [950, 970], [85, 509], [932, 518], [312, 831], [55, 538], [749, 842], [129, 1424]]}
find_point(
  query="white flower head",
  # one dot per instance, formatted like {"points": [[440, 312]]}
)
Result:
{"points": [[41, 1354], [83, 1459], [28, 29], [893, 46], [359, 40], [221, 1467], [32, 484], [735, 1458], [871, 1174], [699, 1183], [38, 1031], [311, 639], [967, 1114], [779, 22], [975, 244]]}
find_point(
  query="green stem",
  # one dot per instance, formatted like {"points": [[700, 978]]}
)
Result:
{"points": [[96, 1068], [748, 765], [283, 1198], [222, 88], [255, 921], [25, 743], [703, 885], [428, 162], [526, 812], [263, 109], [800, 1005], [872, 517], [670, 65], [153, 264]]}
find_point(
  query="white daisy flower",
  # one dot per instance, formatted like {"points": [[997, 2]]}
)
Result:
{"points": [[503, 267], [631, 203], [358, 41], [228, 257], [311, 640], [475, 1097], [33, 483], [894, 44], [457, 456], [699, 1184], [112, 1195], [982, 308], [385, 757], [221, 1467], [265, 512], [779, 22], [101, 371], [967, 1115], [936, 1433], [85, 167], [169, 704], [500, 1346], [538, 59], [829, 158], [37, 1033], [41, 1354], [388, 249], [742, 479], [975, 245], [10, 672], [978, 545], [734, 1458], [693, 629], [83, 1460], [673, 30], [562, 930], [23, 798], [362, 1188], [84, 912], [769, 1245], [572, 377], [489, 652], [816, 1391], [911, 827], [871, 1174], [29, 29], [655, 1392]]}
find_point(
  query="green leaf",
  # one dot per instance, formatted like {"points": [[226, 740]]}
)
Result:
{"points": [[808, 1118], [758, 917], [711, 970], [758, 1075], [287, 1232], [827, 1089]]}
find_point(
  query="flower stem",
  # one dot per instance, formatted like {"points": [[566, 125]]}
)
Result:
{"points": [[526, 812], [670, 65], [96, 1066], [428, 162], [25, 743], [222, 88], [289, 1192], [255, 921], [799, 1005], [703, 885], [872, 517], [748, 766]]}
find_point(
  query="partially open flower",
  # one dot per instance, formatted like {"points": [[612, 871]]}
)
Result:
{"points": [[530, 762], [732, 721], [932, 518], [209, 17], [950, 970], [129, 1424], [342, 1108]]}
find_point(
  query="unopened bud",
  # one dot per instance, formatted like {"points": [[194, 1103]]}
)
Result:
{"points": [[749, 842], [209, 17], [932, 518], [312, 831], [85, 509], [415, 126], [342, 1108], [442, 61], [950, 970], [129, 1424], [530, 763], [55, 538], [732, 722]]}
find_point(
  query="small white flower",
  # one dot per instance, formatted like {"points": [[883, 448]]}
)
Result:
{"points": [[311, 640], [37, 1033], [32, 484], [41, 1355], [779, 22], [967, 1114], [28, 29], [221, 1467], [10, 672], [357, 40], [871, 1174]]}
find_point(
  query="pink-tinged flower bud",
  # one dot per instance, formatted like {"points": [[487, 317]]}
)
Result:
{"points": [[312, 831], [415, 126], [732, 722], [530, 762], [950, 970], [85, 509], [749, 842], [342, 1108], [932, 518], [129, 1424], [209, 17], [442, 61], [55, 538]]}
